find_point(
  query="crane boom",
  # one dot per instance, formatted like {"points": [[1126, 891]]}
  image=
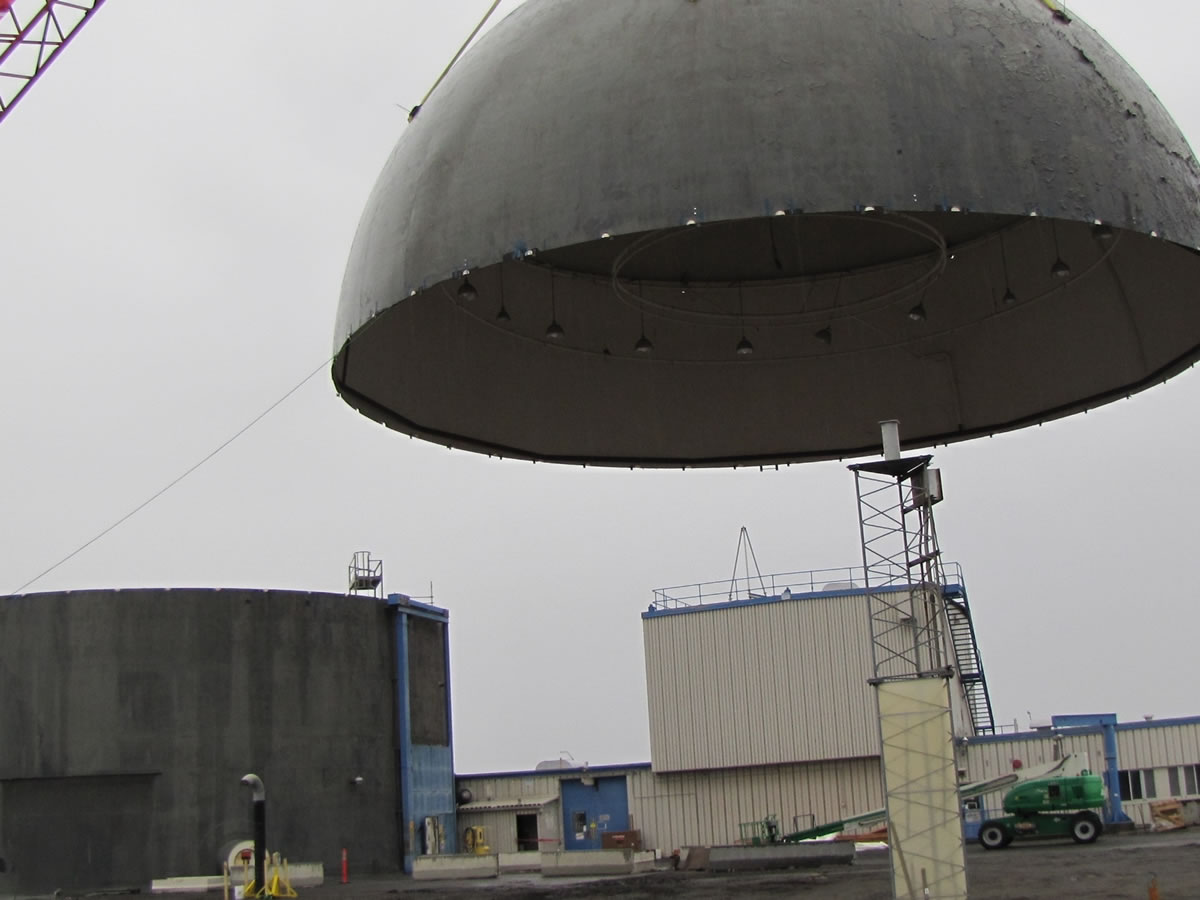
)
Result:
{"points": [[33, 35]]}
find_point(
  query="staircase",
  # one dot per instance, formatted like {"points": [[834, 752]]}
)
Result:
{"points": [[967, 660]]}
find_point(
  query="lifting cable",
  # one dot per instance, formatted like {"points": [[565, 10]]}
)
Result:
{"points": [[461, 50], [137, 509], [412, 115]]}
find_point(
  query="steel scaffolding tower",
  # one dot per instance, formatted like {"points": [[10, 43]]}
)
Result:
{"points": [[912, 674]]}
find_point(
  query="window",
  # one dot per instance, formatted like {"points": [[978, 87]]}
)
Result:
{"points": [[1137, 784], [1131, 788], [1186, 784]]}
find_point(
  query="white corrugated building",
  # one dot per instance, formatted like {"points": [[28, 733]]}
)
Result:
{"points": [[670, 810], [1142, 762], [781, 678], [758, 706], [762, 706], [1158, 759]]}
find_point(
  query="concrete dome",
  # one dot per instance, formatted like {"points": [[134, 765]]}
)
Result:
{"points": [[763, 225]]}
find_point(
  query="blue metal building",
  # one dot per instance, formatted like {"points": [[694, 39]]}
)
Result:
{"points": [[424, 739]]}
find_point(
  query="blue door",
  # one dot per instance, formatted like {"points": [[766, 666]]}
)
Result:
{"points": [[973, 816], [589, 810]]}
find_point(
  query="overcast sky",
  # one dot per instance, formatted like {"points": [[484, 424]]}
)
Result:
{"points": [[179, 196]]}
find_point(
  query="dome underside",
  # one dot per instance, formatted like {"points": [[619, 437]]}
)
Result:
{"points": [[960, 214]]}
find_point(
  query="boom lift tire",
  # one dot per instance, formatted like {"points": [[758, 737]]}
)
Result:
{"points": [[1085, 827], [995, 835]]}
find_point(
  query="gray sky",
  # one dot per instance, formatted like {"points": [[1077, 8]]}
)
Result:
{"points": [[180, 192]]}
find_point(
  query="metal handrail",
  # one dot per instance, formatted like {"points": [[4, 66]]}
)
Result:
{"points": [[748, 588]]}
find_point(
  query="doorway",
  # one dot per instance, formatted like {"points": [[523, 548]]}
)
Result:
{"points": [[527, 832]]}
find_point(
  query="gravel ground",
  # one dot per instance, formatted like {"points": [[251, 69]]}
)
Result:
{"points": [[1117, 866]]}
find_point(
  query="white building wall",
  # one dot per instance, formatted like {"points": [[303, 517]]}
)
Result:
{"points": [[500, 827], [676, 810], [1148, 753], [515, 786], [1159, 744], [760, 684], [1152, 754], [991, 759], [680, 809], [766, 683]]}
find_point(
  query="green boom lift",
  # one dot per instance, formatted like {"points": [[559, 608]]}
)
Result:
{"points": [[1056, 799], [1048, 807]]}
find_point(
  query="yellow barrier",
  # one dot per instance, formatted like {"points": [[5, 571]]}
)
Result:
{"points": [[279, 883]]}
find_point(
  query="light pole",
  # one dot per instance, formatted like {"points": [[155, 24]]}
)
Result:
{"points": [[260, 826]]}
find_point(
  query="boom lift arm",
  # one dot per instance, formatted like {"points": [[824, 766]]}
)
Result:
{"points": [[1068, 765], [33, 34]]}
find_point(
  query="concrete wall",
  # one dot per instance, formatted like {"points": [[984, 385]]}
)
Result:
{"points": [[428, 687], [130, 716], [455, 867], [590, 863]]}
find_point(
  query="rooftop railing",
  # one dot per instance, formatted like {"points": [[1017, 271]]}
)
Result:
{"points": [[783, 584]]}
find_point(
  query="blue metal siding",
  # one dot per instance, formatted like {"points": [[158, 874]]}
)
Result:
{"points": [[425, 774], [431, 793], [403, 745], [1158, 723], [600, 806], [973, 817], [1107, 722]]}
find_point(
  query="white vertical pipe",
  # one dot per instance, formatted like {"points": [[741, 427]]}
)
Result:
{"points": [[891, 438]]}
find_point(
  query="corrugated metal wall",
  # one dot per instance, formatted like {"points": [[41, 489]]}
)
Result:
{"points": [[682, 809], [695, 808], [760, 684], [517, 786], [1158, 747], [990, 759], [501, 826]]}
